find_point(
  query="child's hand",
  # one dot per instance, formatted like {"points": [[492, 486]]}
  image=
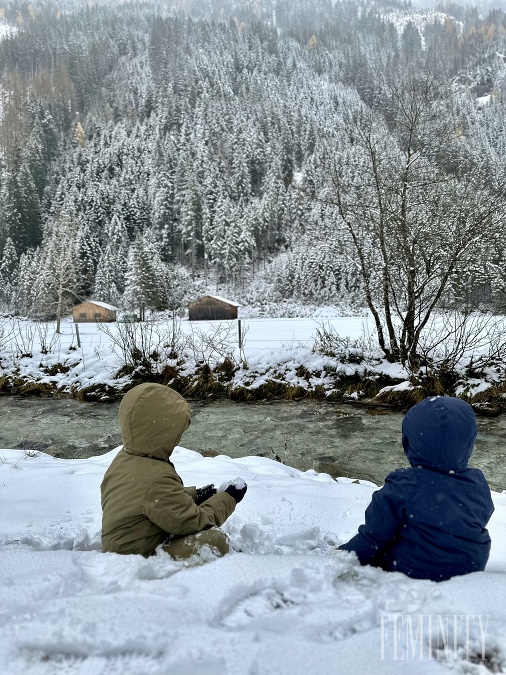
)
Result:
{"points": [[203, 493], [235, 488]]}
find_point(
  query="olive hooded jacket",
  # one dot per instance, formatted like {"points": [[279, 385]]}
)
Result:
{"points": [[143, 498]]}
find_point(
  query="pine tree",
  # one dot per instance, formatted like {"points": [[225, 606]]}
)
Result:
{"points": [[24, 292], [8, 272], [112, 264], [163, 216], [87, 253], [22, 206], [143, 285]]}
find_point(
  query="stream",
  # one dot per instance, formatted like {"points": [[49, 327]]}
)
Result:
{"points": [[341, 440]]}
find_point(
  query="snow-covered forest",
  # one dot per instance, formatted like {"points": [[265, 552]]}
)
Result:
{"points": [[146, 146], [341, 153]]}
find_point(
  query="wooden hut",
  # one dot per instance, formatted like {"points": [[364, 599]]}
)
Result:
{"points": [[92, 311], [212, 307]]}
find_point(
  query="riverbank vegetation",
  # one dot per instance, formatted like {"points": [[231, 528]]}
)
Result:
{"points": [[278, 359]]}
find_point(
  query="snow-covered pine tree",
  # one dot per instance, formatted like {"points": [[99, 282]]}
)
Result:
{"points": [[112, 265], [25, 289], [8, 273], [143, 285]]}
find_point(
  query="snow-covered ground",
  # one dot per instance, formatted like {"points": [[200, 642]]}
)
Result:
{"points": [[283, 602]]}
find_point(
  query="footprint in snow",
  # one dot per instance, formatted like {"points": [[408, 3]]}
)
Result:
{"points": [[258, 606]]}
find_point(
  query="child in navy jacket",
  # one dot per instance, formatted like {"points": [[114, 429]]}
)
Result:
{"points": [[429, 521]]}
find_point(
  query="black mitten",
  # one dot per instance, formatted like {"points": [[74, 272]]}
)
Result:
{"points": [[204, 493], [236, 492]]}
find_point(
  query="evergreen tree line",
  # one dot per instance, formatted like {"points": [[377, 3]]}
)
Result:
{"points": [[146, 146]]}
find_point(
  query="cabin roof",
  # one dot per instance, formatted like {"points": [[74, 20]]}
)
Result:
{"points": [[105, 305], [216, 297]]}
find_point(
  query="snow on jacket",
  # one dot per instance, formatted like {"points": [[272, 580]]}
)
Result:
{"points": [[429, 521], [143, 498]]}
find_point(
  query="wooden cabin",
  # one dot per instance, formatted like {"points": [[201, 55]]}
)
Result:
{"points": [[212, 308], [92, 311]]}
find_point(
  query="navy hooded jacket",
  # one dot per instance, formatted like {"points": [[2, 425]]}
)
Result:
{"points": [[429, 521]]}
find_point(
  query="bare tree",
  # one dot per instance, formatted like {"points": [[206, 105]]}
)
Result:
{"points": [[470, 339], [413, 225]]}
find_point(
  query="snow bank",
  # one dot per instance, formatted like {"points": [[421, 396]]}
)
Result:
{"points": [[305, 355], [283, 602], [274, 350]]}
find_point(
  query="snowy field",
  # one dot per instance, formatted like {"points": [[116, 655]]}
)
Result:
{"points": [[283, 602], [259, 334]]}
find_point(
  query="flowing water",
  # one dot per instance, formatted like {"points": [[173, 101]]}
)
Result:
{"points": [[338, 439]]}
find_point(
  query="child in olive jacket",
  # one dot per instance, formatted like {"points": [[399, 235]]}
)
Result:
{"points": [[144, 502], [429, 521]]}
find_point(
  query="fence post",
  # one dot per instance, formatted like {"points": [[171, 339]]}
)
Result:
{"points": [[78, 337], [239, 329]]}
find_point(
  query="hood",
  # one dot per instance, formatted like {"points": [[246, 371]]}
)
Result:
{"points": [[439, 433], [152, 419]]}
